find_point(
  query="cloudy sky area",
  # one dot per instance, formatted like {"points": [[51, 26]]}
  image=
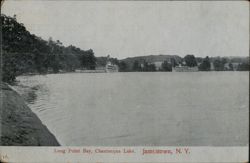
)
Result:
{"points": [[133, 28]]}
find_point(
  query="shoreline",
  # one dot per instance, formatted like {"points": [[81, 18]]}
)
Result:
{"points": [[19, 125], [77, 72]]}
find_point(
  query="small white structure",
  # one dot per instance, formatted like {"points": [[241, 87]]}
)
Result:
{"points": [[181, 68], [110, 67], [158, 65]]}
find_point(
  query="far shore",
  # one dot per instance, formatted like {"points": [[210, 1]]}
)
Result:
{"points": [[100, 71]]}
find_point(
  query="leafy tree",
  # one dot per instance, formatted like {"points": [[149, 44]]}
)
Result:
{"points": [[9, 69], [190, 60], [166, 66], [91, 60], [231, 67], [114, 61], [149, 67], [122, 66], [205, 65], [219, 65], [199, 59], [54, 62], [136, 66], [24, 52], [173, 62], [243, 67], [101, 61]]}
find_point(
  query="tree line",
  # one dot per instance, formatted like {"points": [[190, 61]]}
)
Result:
{"points": [[203, 64], [23, 52]]}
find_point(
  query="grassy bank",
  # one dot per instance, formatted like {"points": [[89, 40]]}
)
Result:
{"points": [[19, 125]]}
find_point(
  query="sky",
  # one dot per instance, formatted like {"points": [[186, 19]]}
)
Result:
{"points": [[124, 29]]}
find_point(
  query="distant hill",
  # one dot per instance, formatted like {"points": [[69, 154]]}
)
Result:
{"points": [[154, 58]]}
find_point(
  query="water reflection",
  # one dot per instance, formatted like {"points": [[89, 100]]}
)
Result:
{"points": [[33, 93], [30, 96], [142, 108]]}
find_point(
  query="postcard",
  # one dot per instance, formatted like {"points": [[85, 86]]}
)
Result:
{"points": [[124, 81]]}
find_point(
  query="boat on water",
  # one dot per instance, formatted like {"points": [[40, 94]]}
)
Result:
{"points": [[108, 68], [111, 67]]}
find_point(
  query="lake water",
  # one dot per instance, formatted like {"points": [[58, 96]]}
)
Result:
{"points": [[161, 108]]}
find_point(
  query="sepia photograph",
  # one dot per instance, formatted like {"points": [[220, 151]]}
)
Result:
{"points": [[134, 74]]}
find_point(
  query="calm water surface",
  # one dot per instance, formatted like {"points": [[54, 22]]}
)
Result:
{"points": [[199, 108]]}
